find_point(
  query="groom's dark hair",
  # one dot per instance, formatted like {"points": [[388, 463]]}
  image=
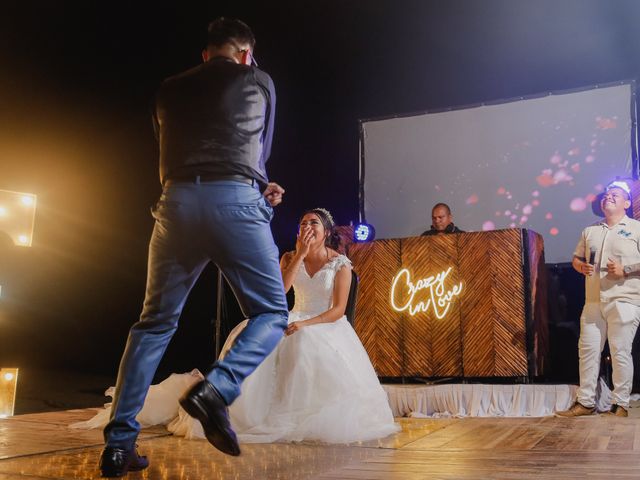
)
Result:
{"points": [[223, 30]]}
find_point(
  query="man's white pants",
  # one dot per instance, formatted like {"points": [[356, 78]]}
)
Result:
{"points": [[618, 322]]}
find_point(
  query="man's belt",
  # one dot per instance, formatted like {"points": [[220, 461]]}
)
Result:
{"points": [[207, 178]]}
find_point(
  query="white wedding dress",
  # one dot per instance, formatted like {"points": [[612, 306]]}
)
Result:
{"points": [[318, 384]]}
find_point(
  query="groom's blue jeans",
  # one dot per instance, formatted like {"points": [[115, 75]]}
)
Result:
{"points": [[226, 222]]}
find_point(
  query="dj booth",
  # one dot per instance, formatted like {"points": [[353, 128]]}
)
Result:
{"points": [[467, 305]]}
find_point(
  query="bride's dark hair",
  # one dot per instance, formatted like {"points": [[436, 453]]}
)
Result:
{"points": [[333, 239]]}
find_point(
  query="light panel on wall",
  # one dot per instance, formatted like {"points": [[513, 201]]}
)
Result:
{"points": [[17, 215], [8, 384]]}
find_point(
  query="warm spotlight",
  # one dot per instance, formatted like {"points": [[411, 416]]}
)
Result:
{"points": [[17, 215], [8, 384], [28, 200]]}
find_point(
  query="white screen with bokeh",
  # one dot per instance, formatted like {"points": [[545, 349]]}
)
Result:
{"points": [[532, 163]]}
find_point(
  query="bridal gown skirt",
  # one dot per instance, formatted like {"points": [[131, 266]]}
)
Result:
{"points": [[318, 384]]}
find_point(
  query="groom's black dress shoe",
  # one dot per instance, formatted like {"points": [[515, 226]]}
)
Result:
{"points": [[116, 462], [204, 403]]}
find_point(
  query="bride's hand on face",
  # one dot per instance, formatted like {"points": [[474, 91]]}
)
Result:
{"points": [[294, 327], [303, 242]]}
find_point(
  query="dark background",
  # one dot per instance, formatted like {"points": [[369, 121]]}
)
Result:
{"points": [[77, 80]]}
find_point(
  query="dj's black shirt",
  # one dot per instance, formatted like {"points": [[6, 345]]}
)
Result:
{"points": [[451, 228]]}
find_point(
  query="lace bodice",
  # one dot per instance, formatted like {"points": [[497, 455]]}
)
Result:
{"points": [[314, 294]]}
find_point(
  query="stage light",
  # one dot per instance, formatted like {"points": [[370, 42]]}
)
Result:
{"points": [[8, 384], [17, 216], [363, 232], [28, 200]]}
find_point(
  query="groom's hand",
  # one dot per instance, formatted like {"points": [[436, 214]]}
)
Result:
{"points": [[273, 193]]}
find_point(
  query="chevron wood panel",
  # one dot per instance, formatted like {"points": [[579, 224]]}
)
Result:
{"points": [[635, 199], [538, 331], [417, 329], [433, 345], [376, 323], [484, 332], [509, 296], [476, 305]]}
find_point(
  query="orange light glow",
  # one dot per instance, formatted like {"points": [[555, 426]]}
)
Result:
{"points": [[17, 215]]}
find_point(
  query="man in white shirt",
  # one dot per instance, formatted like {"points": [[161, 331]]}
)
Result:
{"points": [[608, 255]]}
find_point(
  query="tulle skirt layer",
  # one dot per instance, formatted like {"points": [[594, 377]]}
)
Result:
{"points": [[318, 384]]}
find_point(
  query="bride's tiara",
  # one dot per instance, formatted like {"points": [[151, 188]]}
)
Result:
{"points": [[326, 214]]}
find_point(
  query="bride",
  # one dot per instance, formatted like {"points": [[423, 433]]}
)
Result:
{"points": [[318, 384]]}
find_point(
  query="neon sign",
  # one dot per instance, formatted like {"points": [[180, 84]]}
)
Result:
{"points": [[438, 299]]}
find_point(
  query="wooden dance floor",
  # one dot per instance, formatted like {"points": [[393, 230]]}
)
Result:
{"points": [[40, 446]]}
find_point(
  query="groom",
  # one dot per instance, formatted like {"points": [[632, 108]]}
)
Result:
{"points": [[214, 124]]}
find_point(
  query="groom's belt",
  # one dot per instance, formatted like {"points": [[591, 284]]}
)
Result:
{"points": [[208, 178]]}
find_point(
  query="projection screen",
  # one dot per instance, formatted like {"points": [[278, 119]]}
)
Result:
{"points": [[533, 163]]}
